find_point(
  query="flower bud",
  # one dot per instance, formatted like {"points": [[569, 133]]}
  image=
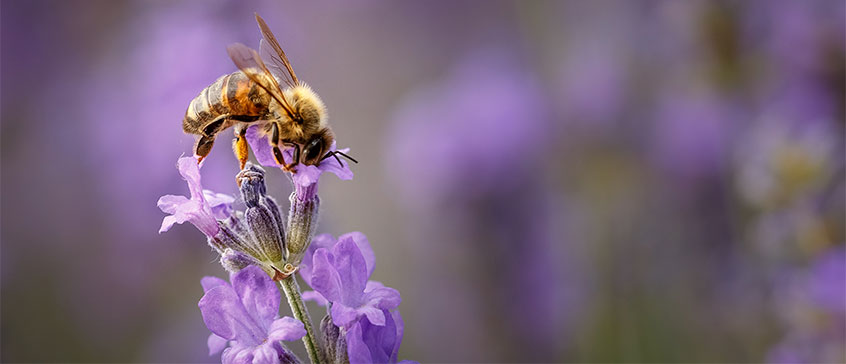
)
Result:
{"points": [[334, 343], [265, 231], [302, 224], [251, 182], [233, 261], [230, 239]]}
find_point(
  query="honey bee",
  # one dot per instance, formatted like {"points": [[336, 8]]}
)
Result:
{"points": [[291, 117]]}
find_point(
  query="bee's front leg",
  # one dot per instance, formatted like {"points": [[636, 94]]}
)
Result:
{"points": [[290, 167], [277, 153]]}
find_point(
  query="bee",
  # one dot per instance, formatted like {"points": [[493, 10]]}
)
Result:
{"points": [[292, 117]]}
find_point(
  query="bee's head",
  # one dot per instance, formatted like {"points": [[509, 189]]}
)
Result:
{"points": [[316, 147]]}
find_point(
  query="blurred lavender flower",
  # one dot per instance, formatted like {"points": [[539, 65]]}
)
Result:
{"points": [[202, 209], [245, 316], [693, 133], [783, 163], [481, 207], [812, 303]]}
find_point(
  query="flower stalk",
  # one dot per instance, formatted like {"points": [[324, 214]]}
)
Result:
{"points": [[295, 300]]}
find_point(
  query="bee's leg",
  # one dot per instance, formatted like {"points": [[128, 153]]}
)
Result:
{"points": [[277, 152], [203, 147], [239, 146], [274, 142], [296, 155]]}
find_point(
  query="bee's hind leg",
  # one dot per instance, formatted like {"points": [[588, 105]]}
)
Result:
{"points": [[239, 146]]}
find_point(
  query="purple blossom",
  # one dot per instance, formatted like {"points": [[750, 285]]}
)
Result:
{"points": [[340, 275], [306, 175], [202, 209], [244, 314]]}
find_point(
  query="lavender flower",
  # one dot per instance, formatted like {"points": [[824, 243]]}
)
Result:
{"points": [[244, 315], [201, 209], [255, 236], [340, 276], [813, 306], [364, 325]]}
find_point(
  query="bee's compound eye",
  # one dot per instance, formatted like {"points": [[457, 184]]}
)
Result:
{"points": [[313, 150]]}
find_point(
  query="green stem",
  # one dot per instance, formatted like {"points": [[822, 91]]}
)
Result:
{"points": [[295, 299]]}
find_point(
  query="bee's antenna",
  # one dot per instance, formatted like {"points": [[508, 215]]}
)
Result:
{"points": [[347, 156], [335, 153]]}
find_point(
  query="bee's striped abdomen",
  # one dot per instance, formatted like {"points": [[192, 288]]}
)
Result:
{"points": [[233, 94]]}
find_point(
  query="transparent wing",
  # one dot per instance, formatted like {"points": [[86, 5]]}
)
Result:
{"points": [[273, 51], [274, 64], [250, 63]]}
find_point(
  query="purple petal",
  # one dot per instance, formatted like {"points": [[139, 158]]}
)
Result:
{"points": [[210, 282], [169, 203], [400, 324], [343, 315], [237, 354], [364, 246], [342, 170], [265, 354], [357, 349], [324, 278], [368, 343], [306, 175], [261, 147], [190, 171], [352, 271], [225, 316], [219, 203], [167, 223], [382, 297], [316, 297], [216, 344], [286, 328], [182, 210], [320, 241], [258, 294], [374, 315]]}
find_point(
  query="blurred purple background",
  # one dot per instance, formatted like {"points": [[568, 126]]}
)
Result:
{"points": [[543, 181]]}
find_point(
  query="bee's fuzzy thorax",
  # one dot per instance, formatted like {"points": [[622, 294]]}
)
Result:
{"points": [[303, 97]]}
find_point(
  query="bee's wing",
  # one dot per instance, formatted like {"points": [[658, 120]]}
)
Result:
{"points": [[275, 64], [249, 62], [271, 50]]}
